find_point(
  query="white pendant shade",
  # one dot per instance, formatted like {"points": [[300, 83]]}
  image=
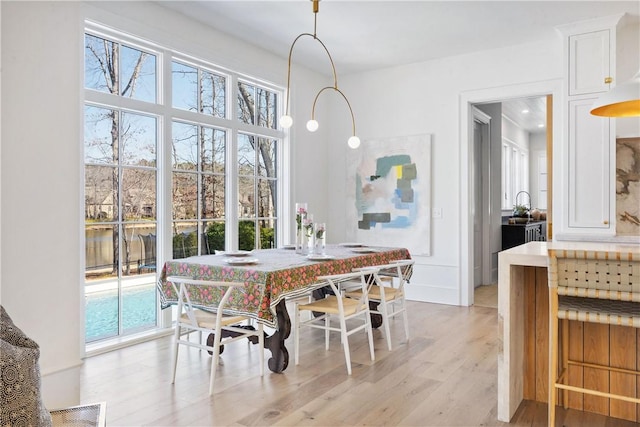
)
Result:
{"points": [[621, 101]]}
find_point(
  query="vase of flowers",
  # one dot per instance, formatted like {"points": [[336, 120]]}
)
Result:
{"points": [[320, 238], [301, 217]]}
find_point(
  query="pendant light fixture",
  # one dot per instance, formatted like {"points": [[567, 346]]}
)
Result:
{"points": [[286, 121], [621, 101]]}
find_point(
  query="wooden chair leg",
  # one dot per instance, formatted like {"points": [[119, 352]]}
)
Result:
{"points": [[345, 344], [296, 333], [216, 358], [176, 337], [565, 360], [261, 347], [387, 328], [369, 330], [327, 322], [403, 307], [553, 355]]}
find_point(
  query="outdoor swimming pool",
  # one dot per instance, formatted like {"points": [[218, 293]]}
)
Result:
{"points": [[101, 311]]}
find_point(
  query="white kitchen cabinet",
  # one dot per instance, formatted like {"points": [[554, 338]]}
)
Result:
{"points": [[589, 157], [589, 62], [589, 173]]}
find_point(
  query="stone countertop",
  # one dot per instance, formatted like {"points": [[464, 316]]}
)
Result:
{"points": [[535, 253]]}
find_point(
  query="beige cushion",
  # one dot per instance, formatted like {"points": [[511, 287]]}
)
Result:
{"points": [[330, 305], [374, 293], [208, 320]]}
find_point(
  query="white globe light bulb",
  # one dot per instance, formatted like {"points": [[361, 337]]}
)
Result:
{"points": [[354, 142], [312, 125], [286, 122]]}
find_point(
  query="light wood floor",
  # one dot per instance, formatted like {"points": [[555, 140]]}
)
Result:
{"points": [[486, 296], [444, 376]]}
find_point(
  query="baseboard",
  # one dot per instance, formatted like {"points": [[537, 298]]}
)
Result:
{"points": [[61, 388]]}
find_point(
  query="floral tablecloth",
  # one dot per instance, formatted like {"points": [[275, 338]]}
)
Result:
{"points": [[278, 273]]}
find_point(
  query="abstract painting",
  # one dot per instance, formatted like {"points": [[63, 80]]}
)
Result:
{"points": [[389, 193]]}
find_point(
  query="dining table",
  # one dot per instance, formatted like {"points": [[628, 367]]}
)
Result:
{"points": [[270, 276]]}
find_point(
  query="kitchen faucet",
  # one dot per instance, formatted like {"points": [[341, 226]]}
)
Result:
{"points": [[528, 210]]}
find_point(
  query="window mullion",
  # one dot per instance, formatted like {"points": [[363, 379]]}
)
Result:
{"points": [[231, 178], [256, 186]]}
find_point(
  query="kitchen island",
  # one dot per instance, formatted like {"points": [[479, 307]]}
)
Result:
{"points": [[523, 332]]}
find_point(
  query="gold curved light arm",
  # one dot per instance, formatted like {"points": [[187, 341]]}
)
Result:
{"points": [[333, 67], [313, 109]]}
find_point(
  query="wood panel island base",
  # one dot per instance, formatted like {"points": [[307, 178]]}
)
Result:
{"points": [[523, 326]]}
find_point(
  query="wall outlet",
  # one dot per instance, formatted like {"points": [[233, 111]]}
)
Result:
{"points": [[436, 213]]}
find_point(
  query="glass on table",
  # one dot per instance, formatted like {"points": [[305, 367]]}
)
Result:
{"points": [[320, 236]]}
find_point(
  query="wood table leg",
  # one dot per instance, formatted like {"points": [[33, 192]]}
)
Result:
{"points": [[275, 343], [376, 319]]}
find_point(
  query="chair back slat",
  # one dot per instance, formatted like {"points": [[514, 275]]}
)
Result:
{"points": [[592, 274], [186, 306]]}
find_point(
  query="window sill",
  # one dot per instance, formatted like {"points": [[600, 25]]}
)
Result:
{"points": [[105, 346]]}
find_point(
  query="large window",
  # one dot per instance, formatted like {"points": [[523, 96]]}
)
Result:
{"points": [[257, 168], [159, 136], [198, 189], [120, 156]]}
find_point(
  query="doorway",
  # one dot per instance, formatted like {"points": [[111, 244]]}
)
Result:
{"points": [[470, 100], [509, 137]]}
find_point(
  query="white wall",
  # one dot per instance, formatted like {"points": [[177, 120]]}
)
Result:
{"points": [[425, 98], [41, 183], [41, 170]]}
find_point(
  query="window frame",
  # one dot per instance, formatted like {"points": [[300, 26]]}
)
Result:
{"points": [[166, 114]]}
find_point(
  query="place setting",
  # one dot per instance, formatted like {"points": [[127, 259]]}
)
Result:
{"points": [[241, 261], [320, 257], [238, 257]]}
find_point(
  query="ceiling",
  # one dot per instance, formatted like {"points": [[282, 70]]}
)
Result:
{"points": [[365, 35], [527, 113]]}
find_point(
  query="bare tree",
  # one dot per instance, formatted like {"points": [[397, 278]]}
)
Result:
{"points": [[107, 57], [249, 109]]}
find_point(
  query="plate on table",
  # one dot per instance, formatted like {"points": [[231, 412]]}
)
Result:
{"points": [[288, 246], [237, 253], [363, 250], [314, 257], [351, 245], [241, 261]]}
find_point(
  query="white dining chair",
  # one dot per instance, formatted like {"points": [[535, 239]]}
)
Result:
{"points": [[388, 292], [339, 307], [191, 319]]}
